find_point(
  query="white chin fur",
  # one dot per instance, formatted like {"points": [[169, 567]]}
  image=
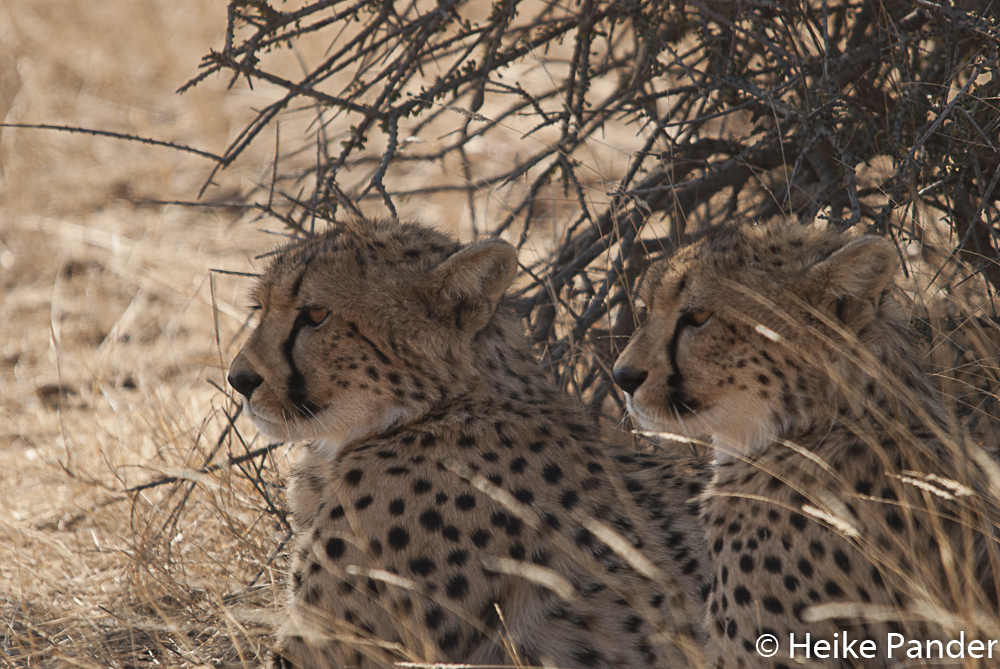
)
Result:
{"points": [[327, 430], [749, 438], [264, 426], [654, 423]]}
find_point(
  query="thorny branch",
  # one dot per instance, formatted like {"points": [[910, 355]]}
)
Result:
{"points": [[750, 108]]}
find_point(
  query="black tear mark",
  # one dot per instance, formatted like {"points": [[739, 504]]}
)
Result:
{"points": [[297, 391], [679, 400]]}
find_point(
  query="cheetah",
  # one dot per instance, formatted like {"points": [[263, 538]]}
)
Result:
{"points": [[449, 504], [785, 346]]}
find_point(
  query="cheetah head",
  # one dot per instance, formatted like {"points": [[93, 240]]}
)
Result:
{"points": [[366, 327], [744, 330]]}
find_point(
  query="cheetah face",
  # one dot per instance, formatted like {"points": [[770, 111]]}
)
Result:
{"points": [[697, 369], [365, 328], [308, 373], [734, 343]]}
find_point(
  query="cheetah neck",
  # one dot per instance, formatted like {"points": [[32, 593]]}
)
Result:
{"points": [[886, 388], [503, 359], [329, 447]]}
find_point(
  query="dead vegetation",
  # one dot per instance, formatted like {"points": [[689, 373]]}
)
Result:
{"points": [[141, 523]]}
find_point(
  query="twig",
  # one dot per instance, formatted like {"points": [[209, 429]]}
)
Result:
{"points": [[115, 135], [228, 462]]}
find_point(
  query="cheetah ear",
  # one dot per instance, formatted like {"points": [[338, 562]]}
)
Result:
{"points": [[863, 268], [464, 290], [857, 273]]}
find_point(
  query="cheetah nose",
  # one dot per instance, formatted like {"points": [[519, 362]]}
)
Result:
{"points": [[629, 379], [245, 382]]}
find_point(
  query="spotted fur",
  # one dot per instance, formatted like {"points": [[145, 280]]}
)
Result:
{"points": [[785, 346], [447, 482]]}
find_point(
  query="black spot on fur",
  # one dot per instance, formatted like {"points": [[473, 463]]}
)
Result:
{"points": [[397, 507], [433, 618], [335, 548], [588, 657], [431, 520], [399, 538], [841, 560], [524, 495], [774, 605], [422, 566], [457, 587]]}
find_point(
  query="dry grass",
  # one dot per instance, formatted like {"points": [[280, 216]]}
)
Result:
{"points": [[108, 344], [114, 338]]}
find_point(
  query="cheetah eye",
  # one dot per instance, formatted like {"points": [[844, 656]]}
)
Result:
{"points": [[316, 315], [696, 317]]}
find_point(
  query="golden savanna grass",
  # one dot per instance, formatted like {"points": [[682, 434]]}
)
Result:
{"points": [[115, 336], [108, 343]]}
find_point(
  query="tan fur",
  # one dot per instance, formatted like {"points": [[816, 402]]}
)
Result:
{"points": [[447, 478], [805, 378]]}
